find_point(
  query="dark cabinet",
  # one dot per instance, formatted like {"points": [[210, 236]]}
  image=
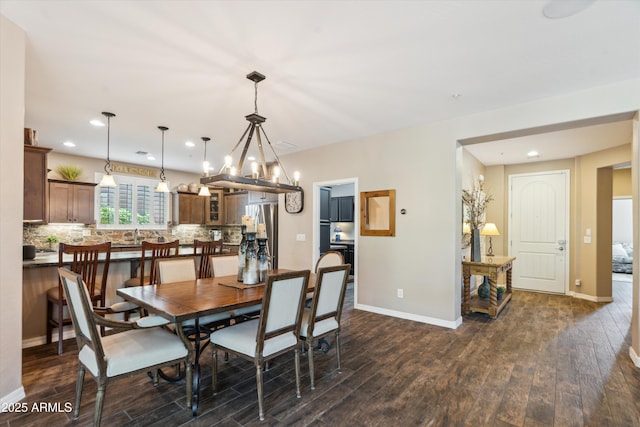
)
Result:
{"points": [[188, 208], [341, 209], [36, 190], [71, 202], [325, 204]]}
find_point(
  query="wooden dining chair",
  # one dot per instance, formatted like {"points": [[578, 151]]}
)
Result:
{"points": [[85, 260], [151, 252], [323, 318], [137, 349], [183, 269], [328, 259], [204, 249], [275, 332], [227, 265]]}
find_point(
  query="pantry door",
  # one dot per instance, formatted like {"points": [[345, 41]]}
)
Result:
{"points": [[539, 229]]}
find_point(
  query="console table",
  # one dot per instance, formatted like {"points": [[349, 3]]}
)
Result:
{"points": [[491, 267]]}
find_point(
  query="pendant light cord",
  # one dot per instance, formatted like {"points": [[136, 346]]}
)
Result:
{"points": [[162, 176], [107, 165]]}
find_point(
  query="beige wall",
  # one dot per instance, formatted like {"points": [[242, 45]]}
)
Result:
{"points": [[622, 183], [12, 107]]}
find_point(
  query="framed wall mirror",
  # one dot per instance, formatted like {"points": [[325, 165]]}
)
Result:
{"points": [[378, 213]]}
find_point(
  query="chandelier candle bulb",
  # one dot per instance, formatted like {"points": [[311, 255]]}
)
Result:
{"points": [[296, 178], [254, 170]]}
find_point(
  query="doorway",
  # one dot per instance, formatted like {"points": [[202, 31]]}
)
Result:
{"points": [[346, 232]]}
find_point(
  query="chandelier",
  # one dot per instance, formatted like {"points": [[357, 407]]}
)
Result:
{"points": [[262, 178]]}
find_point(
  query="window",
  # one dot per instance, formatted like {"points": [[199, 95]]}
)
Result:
{"points": [[134, 203]]}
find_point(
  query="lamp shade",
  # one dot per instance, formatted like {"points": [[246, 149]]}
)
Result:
{"points": [[490, 229], [466, 228], [162, 187], [107, 181], [204, 191]]}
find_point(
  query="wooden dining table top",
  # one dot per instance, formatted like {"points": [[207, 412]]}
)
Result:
{"points": [[190, 299]]}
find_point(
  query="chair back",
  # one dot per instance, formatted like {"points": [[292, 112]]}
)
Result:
{"points": [[205, 249], [169, 270], [153, 251], [329, 259], [82, 314], [223, 265], [328, 296], [282, 307], [85, 260]]}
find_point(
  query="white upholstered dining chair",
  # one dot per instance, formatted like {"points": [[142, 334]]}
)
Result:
{"points": [[274, 333], [137, 349], [182, 269], [227, 265], [323, 318]]}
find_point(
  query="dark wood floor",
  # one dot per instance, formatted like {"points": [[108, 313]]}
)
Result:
{"points": [[546, 361]]}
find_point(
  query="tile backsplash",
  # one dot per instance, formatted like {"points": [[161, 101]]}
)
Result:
{"points": [[88, 234]]}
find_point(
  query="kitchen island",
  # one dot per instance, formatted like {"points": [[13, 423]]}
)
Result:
{"points": [[41, 274]]}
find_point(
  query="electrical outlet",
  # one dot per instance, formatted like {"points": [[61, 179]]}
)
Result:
{"points": [[400, 293], [86, 233], [578, 282], [174, 232], [301, 237]]}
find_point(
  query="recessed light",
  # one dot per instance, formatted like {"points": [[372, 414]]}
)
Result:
{"points": [[251, 158], [96, 122], [189, 144], [68, 144], [150, 158], [456, 96], [533, 154]]}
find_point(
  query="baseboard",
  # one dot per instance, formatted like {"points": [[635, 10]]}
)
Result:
{"points": [[590, 297], [634, 357], [36, 341], [15, 396], [408, 316]]}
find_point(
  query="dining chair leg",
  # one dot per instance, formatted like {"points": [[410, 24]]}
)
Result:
{"points": [[260, 391], [99, 402], [79, 384], [297, 363], [338, 352], [49, 325], [309, 343], [214, 371], [60, 327]]}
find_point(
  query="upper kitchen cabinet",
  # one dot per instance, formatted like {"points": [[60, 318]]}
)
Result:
{"points": [[189, 208], [342, 209], [214, 211], [35, 183], [234, 207], [71, 201], [325, 204]]}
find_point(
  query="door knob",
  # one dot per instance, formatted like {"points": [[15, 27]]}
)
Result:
{"points": [[561, 248]]}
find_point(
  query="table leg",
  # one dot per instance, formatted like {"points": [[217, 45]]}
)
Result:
{"points": [[509, 279], [493, 295], [466, 276]]}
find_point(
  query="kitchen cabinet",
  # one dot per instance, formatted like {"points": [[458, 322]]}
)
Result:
{"points": [[188, 208], [36, 190], [325, 204], [71, 201], [214, 209], [234, 207], [341, 209]]}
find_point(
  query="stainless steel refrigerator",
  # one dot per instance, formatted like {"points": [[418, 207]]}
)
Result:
{"points": [[267, 214]]}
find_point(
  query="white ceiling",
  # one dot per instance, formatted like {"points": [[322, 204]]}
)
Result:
{"points": [[336, 70]]}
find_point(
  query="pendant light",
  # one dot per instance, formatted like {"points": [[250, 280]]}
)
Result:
{"points": [[204, 190], [107, 178], [268, 181], [162, 185]]}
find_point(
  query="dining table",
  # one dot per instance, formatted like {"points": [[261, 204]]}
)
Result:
{"points": [[179, 302]]}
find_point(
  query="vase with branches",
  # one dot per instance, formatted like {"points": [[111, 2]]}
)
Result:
{"points": [[475, 203]]}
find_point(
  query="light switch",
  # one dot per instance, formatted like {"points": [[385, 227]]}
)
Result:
{"points": [[301, 237], [587, 239], [588, 232]]}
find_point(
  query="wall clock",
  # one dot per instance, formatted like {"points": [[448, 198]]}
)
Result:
{"points": [[294, 202]]}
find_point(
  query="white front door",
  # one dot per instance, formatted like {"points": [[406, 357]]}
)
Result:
{"points": [[538, 230]]}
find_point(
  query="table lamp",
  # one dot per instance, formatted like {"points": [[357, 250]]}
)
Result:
{"points": [[490, 229]]}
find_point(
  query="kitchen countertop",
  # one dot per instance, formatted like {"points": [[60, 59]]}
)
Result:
{"points": [[50, 259]]}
